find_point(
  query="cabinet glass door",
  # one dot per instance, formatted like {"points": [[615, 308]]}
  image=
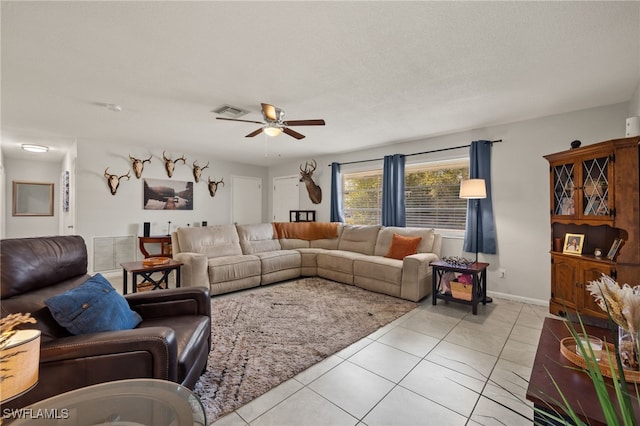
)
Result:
{"points": [[595, 187], [563, 190]]}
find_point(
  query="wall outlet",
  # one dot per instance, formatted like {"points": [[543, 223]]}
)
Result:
{"points": [[502, 272]]}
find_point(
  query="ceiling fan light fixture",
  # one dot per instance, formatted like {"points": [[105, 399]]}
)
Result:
{"points": [[272, 130]]}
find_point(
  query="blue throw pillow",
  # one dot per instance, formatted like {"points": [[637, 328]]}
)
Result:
{"points": [[92, 307]]}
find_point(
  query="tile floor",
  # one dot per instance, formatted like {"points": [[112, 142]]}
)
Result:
{"points": [[437, 365]]}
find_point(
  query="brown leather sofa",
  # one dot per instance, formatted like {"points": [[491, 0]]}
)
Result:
{"points": [[172, 342]]}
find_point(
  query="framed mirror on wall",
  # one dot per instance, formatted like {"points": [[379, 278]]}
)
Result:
{"points": [[32, 198]]}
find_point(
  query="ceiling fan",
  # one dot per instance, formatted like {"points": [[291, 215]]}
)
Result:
{"points": [[274, 123]]}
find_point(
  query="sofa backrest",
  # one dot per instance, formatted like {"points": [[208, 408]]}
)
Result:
{"points": [[427, 244], [359, 238], [257, 238], [34, 269], [29, 264], [212, 241]]}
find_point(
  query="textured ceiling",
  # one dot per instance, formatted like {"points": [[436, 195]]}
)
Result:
{"points": [[377, 72]]}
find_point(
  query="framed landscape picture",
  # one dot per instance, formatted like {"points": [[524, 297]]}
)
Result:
{"points": [[573, 243], [164, 194]]}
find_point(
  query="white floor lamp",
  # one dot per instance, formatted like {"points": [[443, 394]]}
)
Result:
{"points": [[474, 189]]}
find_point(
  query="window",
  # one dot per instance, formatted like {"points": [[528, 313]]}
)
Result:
{"points": [[432, 195], [431, 192], [362, 197]]}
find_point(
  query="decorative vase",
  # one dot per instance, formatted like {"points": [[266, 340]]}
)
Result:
{"points": [[628, 347]]}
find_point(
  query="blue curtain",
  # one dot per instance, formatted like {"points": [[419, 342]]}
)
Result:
{"points": [[480, 168], [337, 212], [393, 208]]}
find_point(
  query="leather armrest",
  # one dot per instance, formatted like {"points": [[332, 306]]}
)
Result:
{"points": [[159, 342], [171, 302]]}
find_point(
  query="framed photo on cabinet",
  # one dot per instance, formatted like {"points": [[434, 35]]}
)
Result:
{"points": [[615, 247], [573, 243]]}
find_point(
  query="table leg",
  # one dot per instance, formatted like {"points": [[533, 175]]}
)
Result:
{"points": [[474, 294], [125, 276], [178, 277], [434, 286], [134, 282], [485, 299]]}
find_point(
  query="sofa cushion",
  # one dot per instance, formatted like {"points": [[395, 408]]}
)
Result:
{"points": [[402, 247], [379, 268], [257, 238], [277, 260], [212, 241], [92, 307], [385, 236], [359, 238], [338, 260], [293, 243], [231, 268]]}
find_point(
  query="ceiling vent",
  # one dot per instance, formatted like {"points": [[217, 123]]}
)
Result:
{"points": [[230, 111]]}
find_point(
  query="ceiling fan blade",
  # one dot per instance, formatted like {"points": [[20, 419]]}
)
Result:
{"points": [[235, 119], [269, 112], [254, 133], [292, 133], [304, 123]]}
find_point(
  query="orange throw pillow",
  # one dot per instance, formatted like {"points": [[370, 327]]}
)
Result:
{"points": [[403, 246]]}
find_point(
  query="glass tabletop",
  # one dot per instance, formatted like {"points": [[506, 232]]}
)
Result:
{"points": [[134, 402]]}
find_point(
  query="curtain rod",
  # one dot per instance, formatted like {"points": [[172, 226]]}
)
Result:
{"points": [[416, 153]]}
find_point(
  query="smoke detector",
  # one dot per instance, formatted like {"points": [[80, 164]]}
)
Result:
{"points": [[230, 111]]}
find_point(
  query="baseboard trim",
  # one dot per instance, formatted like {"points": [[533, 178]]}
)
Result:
{"points": [[518, 298]]}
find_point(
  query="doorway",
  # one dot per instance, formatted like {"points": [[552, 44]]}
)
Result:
{"points": [[246, 200], [286, 196]]}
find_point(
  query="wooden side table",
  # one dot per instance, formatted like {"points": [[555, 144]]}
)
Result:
{"points": [[163, 240], [576, 385], [138, 269], [477, 270]]}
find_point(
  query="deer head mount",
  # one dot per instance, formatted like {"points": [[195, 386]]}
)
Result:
{"points": [[170, 165], [114, 180], [197, 170], [138, 165], [306, 176], [213, 186]]}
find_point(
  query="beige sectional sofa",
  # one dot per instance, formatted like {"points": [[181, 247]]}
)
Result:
{"points": [[234, 257]]}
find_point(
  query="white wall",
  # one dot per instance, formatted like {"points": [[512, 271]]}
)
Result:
{"points": [[520, 188], [32, 171], [634, 103], [99, 213]]}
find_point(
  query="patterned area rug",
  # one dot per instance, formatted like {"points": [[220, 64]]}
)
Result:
{"points": [[267, 335]]}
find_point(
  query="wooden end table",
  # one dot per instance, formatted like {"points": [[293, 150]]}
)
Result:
{"points": [[163, 240], [576, 385], [139, 269], [477, 270]]}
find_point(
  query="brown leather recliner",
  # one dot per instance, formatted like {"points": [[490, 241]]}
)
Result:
{"points": [[172, 342]]}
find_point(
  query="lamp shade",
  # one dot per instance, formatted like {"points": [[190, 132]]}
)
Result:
{"points": [[20, 361], [473, 189]]}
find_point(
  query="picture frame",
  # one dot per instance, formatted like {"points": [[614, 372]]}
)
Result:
{"points": [[573, 243], [615, 247], [32, 198], [167, 194]]}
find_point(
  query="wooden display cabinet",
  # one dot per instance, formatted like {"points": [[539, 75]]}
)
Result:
{"points": [[594, 192]]}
